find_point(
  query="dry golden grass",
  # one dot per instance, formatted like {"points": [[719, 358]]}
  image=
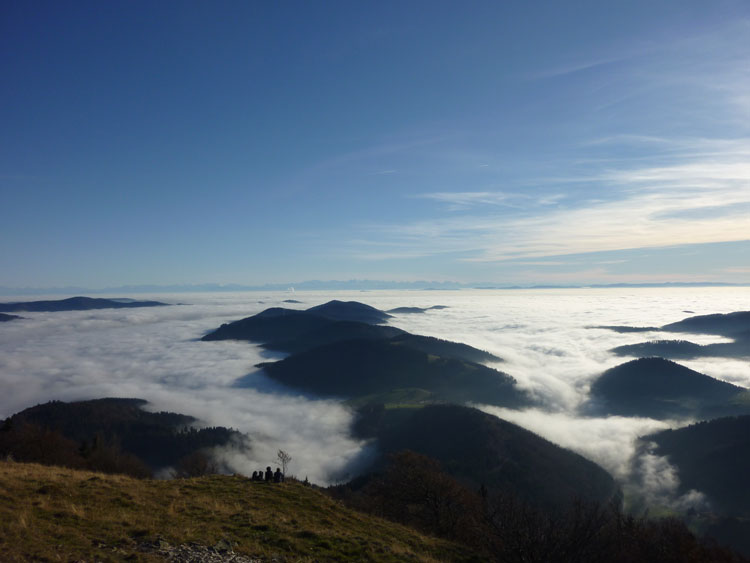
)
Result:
{"points": [[56, 514]]}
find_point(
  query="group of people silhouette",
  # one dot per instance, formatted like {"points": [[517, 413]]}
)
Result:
{"points": [[269, 476]]}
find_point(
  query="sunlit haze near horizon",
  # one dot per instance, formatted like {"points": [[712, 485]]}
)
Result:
{"points": [[493, 142]]}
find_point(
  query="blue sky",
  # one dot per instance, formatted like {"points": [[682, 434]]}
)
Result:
{"points": [[253, 142]]}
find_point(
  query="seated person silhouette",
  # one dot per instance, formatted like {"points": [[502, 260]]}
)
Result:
{"points": [[278, 477]]}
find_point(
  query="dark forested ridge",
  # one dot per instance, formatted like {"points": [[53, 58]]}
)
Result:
{"points": [[661, 389], [350, 311], [281, 325], [480, 449], [684, 349], [5, 318], [158, 439], [275, 324], [346, 353], [415, 310], [76, 304], [446, 348], [333, 331], [734, 325], [354, 368], [713, 457], [626, 329], [731, 325], [298, 331], [292, 330]]}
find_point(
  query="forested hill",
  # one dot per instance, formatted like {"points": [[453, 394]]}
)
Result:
{"points": [[5, 318], [73, 433], [282, 324], [662, 389], [480, 449], [292, 330], [76, 304], [713, 457], [684, 349], [356, 368], [735, 326], [729, 324], [342, 349]]}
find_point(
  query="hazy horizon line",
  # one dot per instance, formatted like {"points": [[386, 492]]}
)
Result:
{"points": [[353, 284]]}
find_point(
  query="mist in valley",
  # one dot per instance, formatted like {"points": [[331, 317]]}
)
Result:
{"points": [[544, 337]]}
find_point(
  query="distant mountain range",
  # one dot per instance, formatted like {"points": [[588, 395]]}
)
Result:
{"points": [[333, 285], [76, 304]]}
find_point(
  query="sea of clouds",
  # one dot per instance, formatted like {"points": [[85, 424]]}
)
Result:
{"points": [[544, 337]]}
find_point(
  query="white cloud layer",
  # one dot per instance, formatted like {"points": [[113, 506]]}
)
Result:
{"points": [[154, 354], [542, 335]]}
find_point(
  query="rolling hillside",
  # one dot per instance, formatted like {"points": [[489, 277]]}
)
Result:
{"points": [[56, 514]]}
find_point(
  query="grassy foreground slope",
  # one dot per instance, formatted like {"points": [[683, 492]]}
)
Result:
{"points": [[57, 514]]}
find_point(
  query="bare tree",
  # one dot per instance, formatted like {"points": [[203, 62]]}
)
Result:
{"points": [[284, 459]]}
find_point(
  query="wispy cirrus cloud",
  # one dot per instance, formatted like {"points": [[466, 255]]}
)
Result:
{"points": [[464, 200], [581, 65], [700, 196]]}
